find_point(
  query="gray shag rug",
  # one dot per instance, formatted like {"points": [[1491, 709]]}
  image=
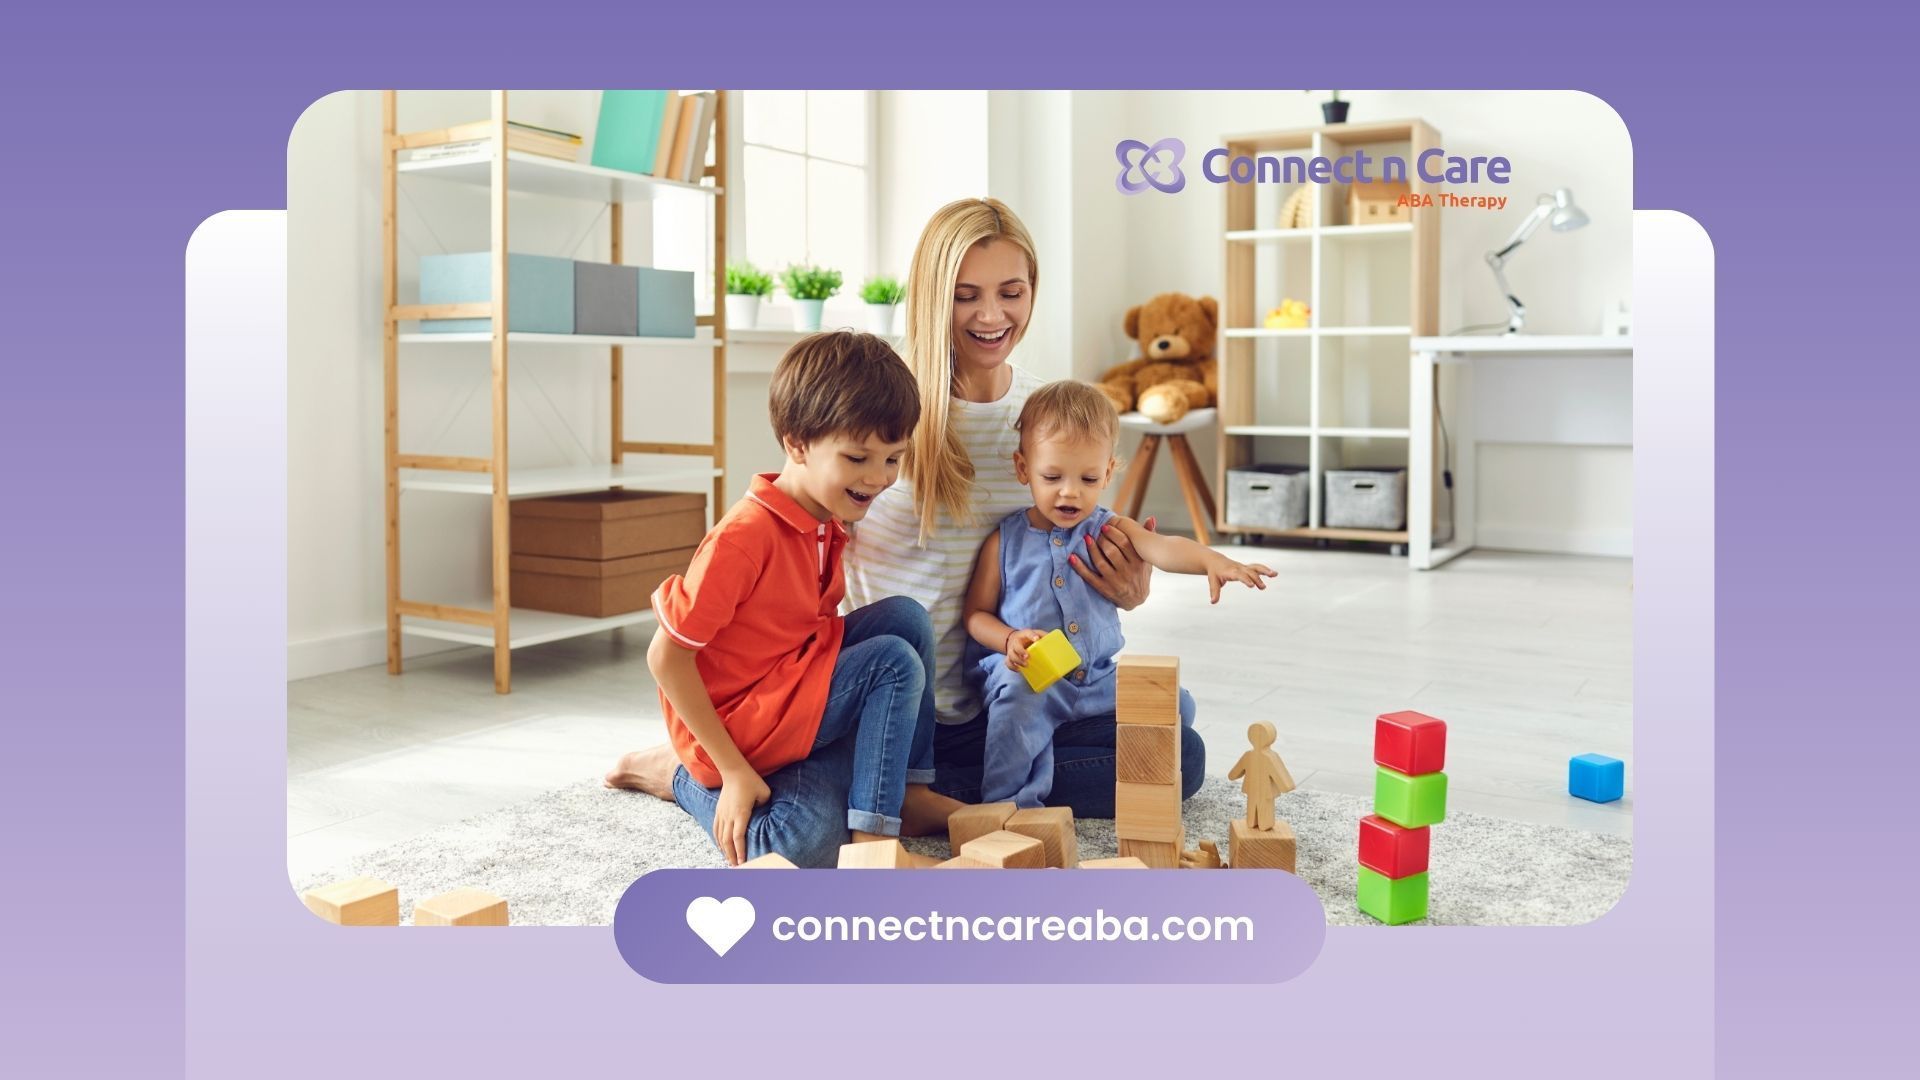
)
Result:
{"points": [[565, 858]]}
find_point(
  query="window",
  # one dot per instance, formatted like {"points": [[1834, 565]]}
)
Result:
{"points": [[806, 178]]}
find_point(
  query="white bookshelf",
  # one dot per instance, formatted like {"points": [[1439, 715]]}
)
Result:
{"points": [[492, 621], [1319, 376]]}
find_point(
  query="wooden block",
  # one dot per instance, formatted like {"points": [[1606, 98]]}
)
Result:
{"points": [[1157, 855], [969, 822], [361, 901], [461, 907], [1205, 857], [1007, 851], [772, 860], [1147, 753], [961, 862], [1124, 862], [1147, 812], [1270, 850], [1148, 691], [886, 854], [1053, 827]]}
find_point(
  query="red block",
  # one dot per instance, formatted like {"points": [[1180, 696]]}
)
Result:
{"points": [[1389, 850], [1410, 742]]}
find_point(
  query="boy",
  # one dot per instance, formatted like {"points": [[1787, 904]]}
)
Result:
{"points": [[1022, 588], [757, 670]]}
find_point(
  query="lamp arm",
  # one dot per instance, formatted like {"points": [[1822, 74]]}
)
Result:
{"points": [[1541, 211]]}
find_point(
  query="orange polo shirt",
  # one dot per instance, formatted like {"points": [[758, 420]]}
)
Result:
{"points": [[760, 604]]}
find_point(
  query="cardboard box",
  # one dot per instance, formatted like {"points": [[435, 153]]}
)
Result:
{"points": [[608, 524], [595, 588]]}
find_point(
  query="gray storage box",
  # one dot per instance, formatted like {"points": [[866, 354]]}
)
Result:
{"points": [[1366, 498], [666, 302], [539, 291], [603, 299], [1267, 496]]}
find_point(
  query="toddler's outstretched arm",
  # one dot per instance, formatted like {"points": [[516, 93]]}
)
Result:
{"points": [[983, 609], [1179, 555]]}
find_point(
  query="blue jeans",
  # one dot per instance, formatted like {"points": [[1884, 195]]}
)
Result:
{"points": [[1083, 761], [876, 737]]}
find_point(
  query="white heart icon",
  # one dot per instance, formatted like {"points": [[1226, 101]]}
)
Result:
{"points": [[721, 924]]}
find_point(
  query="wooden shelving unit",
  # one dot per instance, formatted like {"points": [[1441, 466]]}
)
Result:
{"points": [[1324, 245], [492, 621]]}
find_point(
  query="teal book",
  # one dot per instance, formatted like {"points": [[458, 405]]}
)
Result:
{"points": [[629, 129]]}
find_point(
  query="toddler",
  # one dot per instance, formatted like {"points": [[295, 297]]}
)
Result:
{"points": [[1023, 587]]}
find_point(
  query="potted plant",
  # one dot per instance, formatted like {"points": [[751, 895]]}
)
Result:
{"points": [[1334, 111], [809, 287], [746, 285], [881, 294]]}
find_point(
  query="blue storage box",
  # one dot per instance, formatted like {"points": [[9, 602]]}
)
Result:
{"points": [[603, 299], [539, 291], [666, 302]]}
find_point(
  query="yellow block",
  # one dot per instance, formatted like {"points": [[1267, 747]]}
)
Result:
{"points": [[1049, 660]]}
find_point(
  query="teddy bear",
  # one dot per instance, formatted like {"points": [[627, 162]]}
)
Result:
{"points": [[1176, 371]]}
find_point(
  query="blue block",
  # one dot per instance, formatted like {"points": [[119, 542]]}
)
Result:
{"points": [[666, 303], [539, 291], [1596, 777]]}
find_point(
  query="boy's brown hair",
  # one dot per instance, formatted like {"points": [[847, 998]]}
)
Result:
{"points": [[843, 383], [1069, 408]]}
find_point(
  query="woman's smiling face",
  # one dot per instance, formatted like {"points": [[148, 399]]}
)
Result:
{"points": [[992, 299]]}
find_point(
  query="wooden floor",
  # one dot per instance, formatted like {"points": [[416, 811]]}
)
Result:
{"points": [[1527, 657]]}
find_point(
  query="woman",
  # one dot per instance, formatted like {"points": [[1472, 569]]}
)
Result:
{"points": [[969, 298]]}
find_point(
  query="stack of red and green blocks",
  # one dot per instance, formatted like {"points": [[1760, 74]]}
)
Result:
{"points": [[1409, 796]]}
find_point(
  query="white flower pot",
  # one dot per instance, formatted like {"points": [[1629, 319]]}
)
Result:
{"points": [[743, 311], [806, 315], [880, 319]]}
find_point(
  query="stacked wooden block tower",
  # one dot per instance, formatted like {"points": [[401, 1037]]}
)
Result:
{"points": [[1409, 796], [1146, 790]]}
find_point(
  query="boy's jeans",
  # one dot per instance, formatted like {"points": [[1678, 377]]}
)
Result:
{"points": [[876, 737]]}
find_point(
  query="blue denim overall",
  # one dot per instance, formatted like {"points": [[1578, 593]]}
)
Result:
{"points": [[1039, 591]]}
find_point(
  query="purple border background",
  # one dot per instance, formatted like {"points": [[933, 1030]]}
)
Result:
{"points": [[1723, 108]]}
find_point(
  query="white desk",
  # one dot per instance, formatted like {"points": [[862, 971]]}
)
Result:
{"points": [[1425, 494]]}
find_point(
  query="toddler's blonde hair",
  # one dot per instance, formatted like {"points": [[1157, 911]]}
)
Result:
{"points": [[1068, 407]]}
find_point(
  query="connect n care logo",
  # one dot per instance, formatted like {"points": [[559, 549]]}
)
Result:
{"points": [[1156, 166]]}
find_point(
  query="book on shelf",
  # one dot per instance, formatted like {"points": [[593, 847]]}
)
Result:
{"points": [[696, 160], [628, 132], [517, 139], [669, 128]]}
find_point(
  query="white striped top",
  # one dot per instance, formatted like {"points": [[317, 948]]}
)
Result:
{"points": [[885, 558]]}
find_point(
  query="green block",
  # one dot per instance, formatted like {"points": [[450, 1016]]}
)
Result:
{"points": [[1410, 801], [1393, 900]]}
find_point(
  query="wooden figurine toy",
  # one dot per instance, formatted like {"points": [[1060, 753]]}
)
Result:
{"points": [[1265, 776]]}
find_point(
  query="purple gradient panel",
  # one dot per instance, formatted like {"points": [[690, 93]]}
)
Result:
{"points": [[1107, 926], [1813, 641]]}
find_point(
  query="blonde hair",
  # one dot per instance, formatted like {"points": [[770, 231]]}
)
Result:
{"points": [[1070, 408], [936, 464]]}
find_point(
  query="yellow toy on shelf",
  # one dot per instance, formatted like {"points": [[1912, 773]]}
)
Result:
{"points": [[1290, 315], [1049, 660]]}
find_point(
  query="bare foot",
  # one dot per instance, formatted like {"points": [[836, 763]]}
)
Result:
{"points": [[650, 770], [924, 811]]}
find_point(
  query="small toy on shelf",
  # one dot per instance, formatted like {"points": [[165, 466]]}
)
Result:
{"points": [[1596, 777], [1290, 315], [1297, 211]]}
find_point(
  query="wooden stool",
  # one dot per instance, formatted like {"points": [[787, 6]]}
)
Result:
{"points": [[1193, 483]]}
